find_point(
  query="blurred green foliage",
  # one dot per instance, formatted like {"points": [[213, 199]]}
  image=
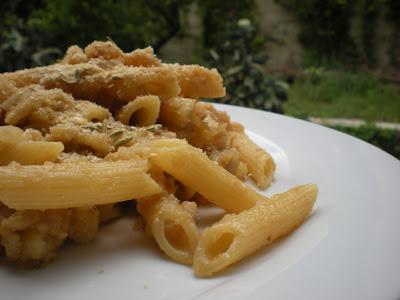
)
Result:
{"points": [[48, 27], [241, 65], [393, 16], [386, 139], [233, 45], [217, 14], [371, 9]]}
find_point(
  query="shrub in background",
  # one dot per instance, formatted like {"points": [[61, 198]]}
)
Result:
{"points": [[236, 57], [325, 27], [386, 139], [36, 32]]}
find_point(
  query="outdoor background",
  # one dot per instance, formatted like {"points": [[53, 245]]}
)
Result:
{"points": [[336, 62]]}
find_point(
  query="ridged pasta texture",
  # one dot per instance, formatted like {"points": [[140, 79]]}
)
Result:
{"points": [[105, 129], [237, 236]]}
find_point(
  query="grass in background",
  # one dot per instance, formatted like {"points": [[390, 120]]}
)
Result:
{"points": [[341, 94]]}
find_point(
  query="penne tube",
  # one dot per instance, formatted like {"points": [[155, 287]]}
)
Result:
{"points": [[36, 153], [15, 146], [142, 111], [172, 226], [237, 236], [259, 162], [198, 82], [74, 184], [89, 81], [176, 112], [74, 137], [195, 170]]}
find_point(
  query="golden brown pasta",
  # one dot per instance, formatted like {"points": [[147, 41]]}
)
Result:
{"points": [[7, 88], [259, 162], [14, 146], [74, 55], [198, 82], [39, 108], [84, 224], [142, 111], [109, 50], [89, 81], [77, 138], [237, 236], [32, 236], [88, 140], [176, 112]]}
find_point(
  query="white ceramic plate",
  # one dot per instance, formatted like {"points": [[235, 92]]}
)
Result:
{"points": [[348, 249]]}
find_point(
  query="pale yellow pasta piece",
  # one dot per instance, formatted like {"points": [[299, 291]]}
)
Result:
{"points": [[74, 184], [39, 108], [195, 170], [36, 153], [26, 101], [237, 236], [142, 111], [9, 137], [87, 111], [259, 162], [172, 226], [230, 160], [14, 146], [176, 112], [74, 137]]}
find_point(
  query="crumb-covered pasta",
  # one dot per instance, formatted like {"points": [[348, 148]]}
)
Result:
{"points": [[105, 133]]}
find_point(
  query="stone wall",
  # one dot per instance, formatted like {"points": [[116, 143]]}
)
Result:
{"points": [[285, 52]]}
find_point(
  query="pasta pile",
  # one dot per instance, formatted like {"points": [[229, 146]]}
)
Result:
{"points": [[103, 127]]}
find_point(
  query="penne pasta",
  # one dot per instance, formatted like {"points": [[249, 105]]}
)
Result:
{"points": [[259, 162], [89, 81], [77, 137], [109, 50], [15, 146], [39, 108], [36, 153], [198, 82], [237, 236], [176, 112], [195, 170], [88, 140], [172, 226], [74, 184], [142, 111]]}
